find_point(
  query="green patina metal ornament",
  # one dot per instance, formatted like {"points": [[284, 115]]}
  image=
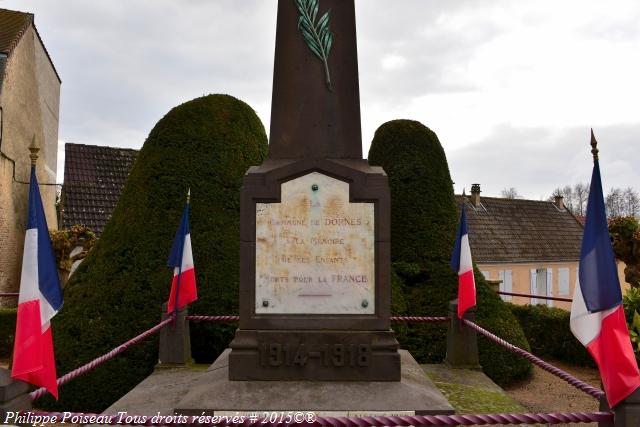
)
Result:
{"points": [[316, 32]]}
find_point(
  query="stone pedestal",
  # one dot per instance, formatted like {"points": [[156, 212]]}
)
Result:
{"points": [[627, 412], [13, 394], [175, 340], [302, 315], [462, 341], [302, 355], [213, 392]]}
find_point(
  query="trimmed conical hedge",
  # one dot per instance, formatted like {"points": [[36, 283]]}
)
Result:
{"points": [[206, 144], [423, 225]]}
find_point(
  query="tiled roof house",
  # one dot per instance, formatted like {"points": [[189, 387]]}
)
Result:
{"points": [[29, 110], [533, 247], [94, 177]]}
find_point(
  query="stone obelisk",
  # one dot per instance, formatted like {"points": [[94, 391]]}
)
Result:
{"points": [[315, 265], [315, 110]]}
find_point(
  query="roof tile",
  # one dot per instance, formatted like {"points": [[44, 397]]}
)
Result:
{"points": [[93, 180], [516, 230], [12, 26]]}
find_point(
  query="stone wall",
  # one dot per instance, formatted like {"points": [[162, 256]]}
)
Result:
{"points": [[30, 100]]}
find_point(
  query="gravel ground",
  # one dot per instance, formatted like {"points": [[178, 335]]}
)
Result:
{"points": [[544, 392]]}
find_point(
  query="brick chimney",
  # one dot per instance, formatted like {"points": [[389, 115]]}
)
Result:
{"points": [[559, 201], [475, 195]]}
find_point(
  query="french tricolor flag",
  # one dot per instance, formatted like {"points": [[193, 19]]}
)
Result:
{"points": [[183, 286], [40, 299], [462, 264], [597, 316]]}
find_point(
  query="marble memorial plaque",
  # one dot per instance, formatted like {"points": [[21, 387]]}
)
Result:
{"points": [[315, 250]]}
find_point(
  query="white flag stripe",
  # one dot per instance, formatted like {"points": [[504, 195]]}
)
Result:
{"points": [[29, 289], [30, 279], [187, 256], [584, 325], [466, 263], [46, 312]]}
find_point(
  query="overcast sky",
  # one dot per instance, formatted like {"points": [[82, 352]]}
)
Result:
{"points": [[510, 87]]}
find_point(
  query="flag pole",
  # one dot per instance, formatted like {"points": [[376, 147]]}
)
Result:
{"points": [[177, 296], [597, 315], [34, 149]]}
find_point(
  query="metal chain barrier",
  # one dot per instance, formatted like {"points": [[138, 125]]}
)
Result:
{"points": [[102, 359], [413, 420], [580, 385], [534, 296]]}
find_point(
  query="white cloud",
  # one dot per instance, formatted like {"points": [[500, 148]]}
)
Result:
{"points": [[393, 62]]}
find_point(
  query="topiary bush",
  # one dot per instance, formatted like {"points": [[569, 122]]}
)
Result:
{"points": [[206, 144], [625, 237], [549, 334], [423, 224]]}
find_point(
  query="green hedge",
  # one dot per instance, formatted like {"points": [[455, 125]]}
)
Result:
{"points": [[7, 331], [548, 332], [206, 144], [423, 224], [429, 295]]}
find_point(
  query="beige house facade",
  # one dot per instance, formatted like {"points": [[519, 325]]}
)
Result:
{"points": [[554, 279], [29, 108]]}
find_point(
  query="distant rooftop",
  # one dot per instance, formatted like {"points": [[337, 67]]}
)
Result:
{"points": [[13, 24], [94, 177], [517, 230]]}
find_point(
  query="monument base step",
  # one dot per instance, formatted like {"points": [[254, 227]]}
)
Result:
{"points": [[213, 393], [190, 389]]}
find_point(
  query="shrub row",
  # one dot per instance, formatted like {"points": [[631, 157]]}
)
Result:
{"points": [[548, 332]]}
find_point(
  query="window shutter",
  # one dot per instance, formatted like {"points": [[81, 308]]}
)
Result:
{"points": [[550, 286], [563, 282], [508, 281], [534, 286]]}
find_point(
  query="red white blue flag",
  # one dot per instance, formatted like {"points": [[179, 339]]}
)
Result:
{"points": [[597, 316], [462, 264], [183, 286], [40, 299]]}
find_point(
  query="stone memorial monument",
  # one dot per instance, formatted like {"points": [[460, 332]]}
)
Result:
{"points": [[315, 296], [314, 281]]}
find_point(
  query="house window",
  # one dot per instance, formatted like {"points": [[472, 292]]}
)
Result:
{"points": [[542, 284], [506, 283], [486, 274], [563, 281]]}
